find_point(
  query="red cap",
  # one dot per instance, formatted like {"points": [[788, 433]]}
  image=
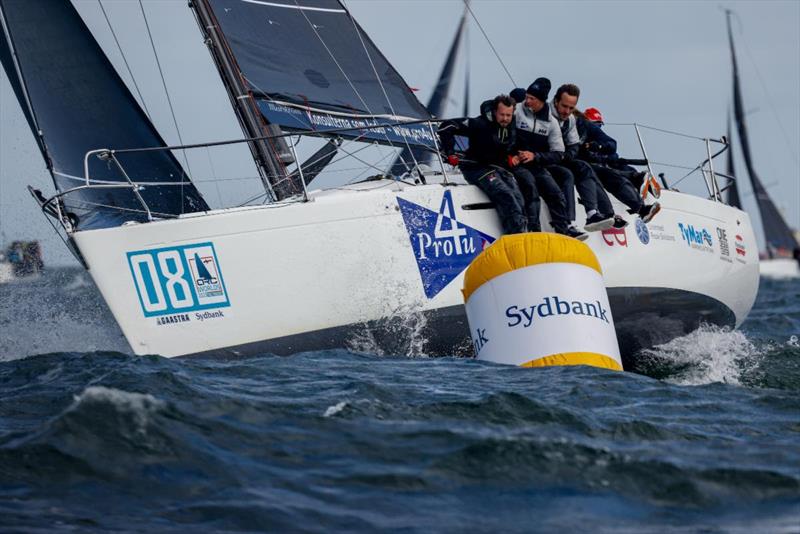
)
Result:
{"points": [[594, 115]]}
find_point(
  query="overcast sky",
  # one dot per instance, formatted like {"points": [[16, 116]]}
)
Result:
{"points": [[663, 64]]}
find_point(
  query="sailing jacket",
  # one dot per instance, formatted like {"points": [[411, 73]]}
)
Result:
{"points": [[489, 143], [539, 133], [596, 146], [569, 133]]}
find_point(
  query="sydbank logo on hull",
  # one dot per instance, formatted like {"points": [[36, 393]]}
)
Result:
{"points": [[178, 280], [443, 247]]}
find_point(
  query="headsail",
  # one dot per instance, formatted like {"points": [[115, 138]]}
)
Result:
{"points": [[312, 68], [436, 104], [79, 103], [776, 232]]}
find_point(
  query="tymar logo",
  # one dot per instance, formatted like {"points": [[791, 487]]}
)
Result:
{"points": [[443, 246], [697, 238]]}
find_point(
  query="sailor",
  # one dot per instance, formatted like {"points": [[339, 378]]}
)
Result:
{"points": [[540, 144], [599, 212], [600, 150], [490, 155]]}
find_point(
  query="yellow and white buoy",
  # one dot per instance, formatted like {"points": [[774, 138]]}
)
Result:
{"points": [[539, 299]]}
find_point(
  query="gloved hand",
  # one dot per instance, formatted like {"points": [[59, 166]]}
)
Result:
{"points": [[513, 161], [452, 159]]}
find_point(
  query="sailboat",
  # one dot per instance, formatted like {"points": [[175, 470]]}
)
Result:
{"points": [[780, 257], [312, 268]]}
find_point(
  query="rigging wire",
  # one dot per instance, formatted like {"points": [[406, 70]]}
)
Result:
{"points": [[166, 91], [766, 91], [466, 4], [336, 62], [380, 83], [125, 60]]}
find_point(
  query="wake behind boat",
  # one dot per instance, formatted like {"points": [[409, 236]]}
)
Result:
{"points": [[312, 268]]}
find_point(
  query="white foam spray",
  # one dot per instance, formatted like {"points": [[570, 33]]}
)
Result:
{"points": [[707, 355]]}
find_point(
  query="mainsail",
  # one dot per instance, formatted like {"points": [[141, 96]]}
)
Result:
{"points": [[312, 69], [778, 236], [76, 102]]}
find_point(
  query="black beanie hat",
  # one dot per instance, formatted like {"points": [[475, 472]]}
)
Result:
{"points": [[518, 95], [540, 88]]}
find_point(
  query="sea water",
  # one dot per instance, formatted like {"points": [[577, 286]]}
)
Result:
{"points": [[704, 436]]}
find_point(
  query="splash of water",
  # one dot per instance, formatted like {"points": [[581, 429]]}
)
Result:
{"points": [[707, 355]]}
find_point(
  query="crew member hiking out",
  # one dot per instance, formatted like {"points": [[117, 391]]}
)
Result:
{"points": [[540, 144], [490, 155], [599, 212], [599, 150]]}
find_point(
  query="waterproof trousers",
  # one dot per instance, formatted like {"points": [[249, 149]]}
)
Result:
{"points": [[590, 190], [552, 195], [619, 185], [501, 188]]}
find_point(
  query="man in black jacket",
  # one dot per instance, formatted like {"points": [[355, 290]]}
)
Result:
{"points": [[490, 155]]}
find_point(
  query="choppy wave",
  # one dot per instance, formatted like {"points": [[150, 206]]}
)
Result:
{"points": [[701, 437], [340, 441]]}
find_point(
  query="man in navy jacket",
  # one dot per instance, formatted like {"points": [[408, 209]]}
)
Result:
{"points": [[490, 155], [600, 150]]}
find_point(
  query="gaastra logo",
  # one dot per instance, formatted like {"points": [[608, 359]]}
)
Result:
{"points": [[524, 316], [699, 239], [443, 247]]}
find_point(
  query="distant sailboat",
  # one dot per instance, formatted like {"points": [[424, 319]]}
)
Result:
{"points": [[779, 239]]}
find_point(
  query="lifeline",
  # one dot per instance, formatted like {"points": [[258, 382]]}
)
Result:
{"points": [[524, 316]]}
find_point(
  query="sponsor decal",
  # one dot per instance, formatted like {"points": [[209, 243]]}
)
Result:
{"points": [[724, 247], [614, 236], [443, 246], [173, 281], [550, 306], [697, 238], [740, 248], [659, 233], [642, 232], [479, 339]]}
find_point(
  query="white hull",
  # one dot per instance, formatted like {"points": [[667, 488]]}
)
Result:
{"points": [[779, 268], [303, 274]]}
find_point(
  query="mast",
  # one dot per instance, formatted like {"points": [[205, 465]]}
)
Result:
{"points": [[265, 152]]}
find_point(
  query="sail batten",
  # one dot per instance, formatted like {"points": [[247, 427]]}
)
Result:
{"points": [[78, 103]]}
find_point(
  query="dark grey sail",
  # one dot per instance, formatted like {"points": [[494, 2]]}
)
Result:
{"points": [[436, 105], [312, 69], [778, 236], [79, 103], [733, 197]]}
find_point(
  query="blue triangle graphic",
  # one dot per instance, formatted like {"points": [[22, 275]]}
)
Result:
{"points": [[202, 271], [443, 247]]}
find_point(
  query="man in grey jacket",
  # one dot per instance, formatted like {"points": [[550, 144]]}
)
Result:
{"points": [[599, 212], [540, 144]]}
